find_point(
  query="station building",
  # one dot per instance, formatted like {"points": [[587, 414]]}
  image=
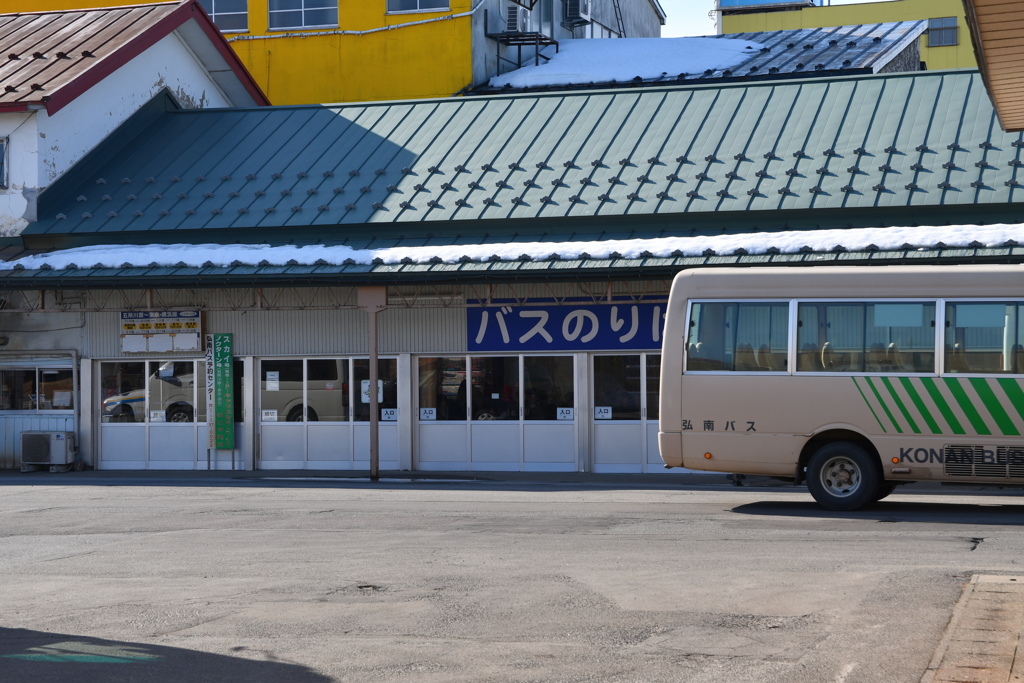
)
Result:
{"points": [[527, 243]]}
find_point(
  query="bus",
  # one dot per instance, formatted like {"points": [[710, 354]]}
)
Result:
{"points": [[852, 379]]}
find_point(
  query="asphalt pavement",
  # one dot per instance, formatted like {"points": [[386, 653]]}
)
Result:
{"points": [[298, 576]]}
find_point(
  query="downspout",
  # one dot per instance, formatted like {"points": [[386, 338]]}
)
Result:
{"points": [[344, 32]]}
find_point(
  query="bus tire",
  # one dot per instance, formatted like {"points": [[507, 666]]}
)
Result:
{"points": [[884, 489], [842, 476]]}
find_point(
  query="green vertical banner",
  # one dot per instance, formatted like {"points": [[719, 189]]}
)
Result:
{"points": [[220, 386]]}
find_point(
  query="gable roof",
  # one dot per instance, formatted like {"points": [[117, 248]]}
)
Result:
{"points": [[50, 58], [871, 151]]}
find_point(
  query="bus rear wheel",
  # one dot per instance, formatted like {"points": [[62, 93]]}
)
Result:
{"points": [[842, 476]]}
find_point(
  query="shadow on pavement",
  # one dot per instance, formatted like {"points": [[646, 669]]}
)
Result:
{"points": [[893, 511], [35, 656]]}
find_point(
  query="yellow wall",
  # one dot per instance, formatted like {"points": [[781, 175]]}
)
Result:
{"points": [[431, 60], [952, 57]]}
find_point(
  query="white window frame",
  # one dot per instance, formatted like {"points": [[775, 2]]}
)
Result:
{"points": [[428, 10], [303, 25], [212, 11]]}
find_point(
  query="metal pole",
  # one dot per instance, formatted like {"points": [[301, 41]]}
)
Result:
{"points": [[373, 300], [374, 403]]}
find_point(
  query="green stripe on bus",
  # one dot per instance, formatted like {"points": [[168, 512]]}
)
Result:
{"points": [[965, 405], [988, 397], [868, 404], [1014, 393], [940, 402], [884, 407], [899, 404], [921, 407]]}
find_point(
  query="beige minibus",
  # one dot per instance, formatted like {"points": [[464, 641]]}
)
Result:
{"points": [[851, 379]]}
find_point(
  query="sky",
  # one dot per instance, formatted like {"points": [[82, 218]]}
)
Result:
{"points": [[690, 17]]}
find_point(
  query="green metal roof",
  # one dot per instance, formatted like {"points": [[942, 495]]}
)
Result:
{"points": [[140, 277], [869, 150]]}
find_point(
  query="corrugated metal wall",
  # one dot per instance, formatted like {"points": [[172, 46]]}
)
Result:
{"points": [[11, 427], [423, 330], [426, 329]]}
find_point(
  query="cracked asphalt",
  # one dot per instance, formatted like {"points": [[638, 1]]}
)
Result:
{"points": [[535, 578]]}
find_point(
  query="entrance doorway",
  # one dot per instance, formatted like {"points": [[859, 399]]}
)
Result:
{"points": [[624, 395], [497, 413], [315, 413]]}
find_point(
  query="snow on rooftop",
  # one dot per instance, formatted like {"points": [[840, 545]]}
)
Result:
{"points": [[623, 59], [197, 255]]}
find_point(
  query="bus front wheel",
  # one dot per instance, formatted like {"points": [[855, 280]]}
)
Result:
{"points": [[842, 476]]}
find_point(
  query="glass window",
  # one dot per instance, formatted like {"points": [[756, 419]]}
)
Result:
{"points": [[617, 387], [3, 164], [653, 385], [327, 389], [866, 337], [172, 391], [228, 15], [417, 5], [18, 389], [547, 386], [942, 32], [495, 384], [443, 387], [740, 337], [281, 391], [303, 13], [387, 381], [123, 389], [56, 389], [984, 337]]}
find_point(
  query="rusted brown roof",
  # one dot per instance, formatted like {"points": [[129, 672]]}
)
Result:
{"points": [[997, 27], [50, 58]]}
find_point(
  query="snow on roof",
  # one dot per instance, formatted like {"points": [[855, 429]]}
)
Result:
{"points": [[623, 59], [196, 255]]}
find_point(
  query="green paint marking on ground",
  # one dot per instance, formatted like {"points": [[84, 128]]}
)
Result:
{"points": [[965, 405], [899, 404], [940, 401], [908, 385], [1013, 391], [995, 409], [78, 659], [868, 404], [878, 396]]}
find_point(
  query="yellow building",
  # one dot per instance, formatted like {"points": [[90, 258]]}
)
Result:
{"points": [[313, 51], [946, 45]]}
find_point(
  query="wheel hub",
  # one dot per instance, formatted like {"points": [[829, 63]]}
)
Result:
{"points": [[841, 477]]}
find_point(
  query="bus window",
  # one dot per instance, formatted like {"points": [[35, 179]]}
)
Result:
{"points": [[738, 337], [984, 337], [866, 337]]}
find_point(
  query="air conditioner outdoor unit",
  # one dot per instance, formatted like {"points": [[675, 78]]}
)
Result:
{"points": [[47, 449], [518, 20], [577, 11]]}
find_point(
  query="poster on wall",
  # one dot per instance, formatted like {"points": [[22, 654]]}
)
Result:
{"points": [[220, 386], [160, 331], [569, 327]]}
